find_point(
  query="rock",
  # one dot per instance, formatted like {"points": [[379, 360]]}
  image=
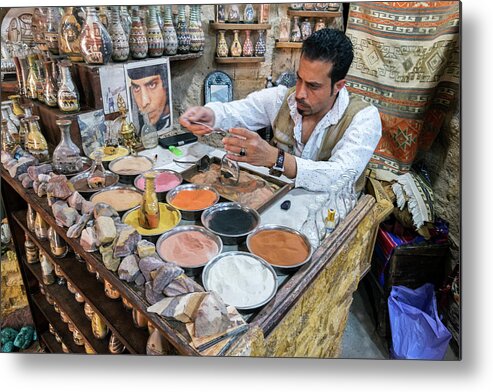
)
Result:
{"points": [[105, 229], [163, 276], [60, 187], [103, 209], [182, 284], [152, 296], [76, 200], [145, 248], [149, 264], [181, 308], [27, 182], [41, 191], [35, 171], [67, 216], [5, 157], [126, 241], [110, 262], [211, 317], [21, 166], [129, 268], [87, 207], [75, 230], [89, 240], [140, 280], [44, 178], [22, 176]]}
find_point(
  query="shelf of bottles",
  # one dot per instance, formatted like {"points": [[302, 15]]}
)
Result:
{"points": [[302, 20]]}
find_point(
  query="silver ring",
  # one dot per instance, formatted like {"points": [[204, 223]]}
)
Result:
{"points": [[242, 152]]}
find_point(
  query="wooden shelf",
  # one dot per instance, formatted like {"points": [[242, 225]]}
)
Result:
{"points": [[315, 14], [239, 26], [239, 60], [112, 312], [289, 45], [51, 344]]}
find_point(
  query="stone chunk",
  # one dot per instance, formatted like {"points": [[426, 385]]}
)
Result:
{"points": [[182, 284], [140, 280], [211, 317], [163, 276], [75, 230], [87, 207], [75, 200], [145, 248], [181, 308], [126, 241], [103, 209], [149, 264], [21, 166], [35, 171], [105, 229], [67, 216], [27, 182], [129, 268], [60, 187], [152, 296], [41, 189], [89, 240], [110, 262]]}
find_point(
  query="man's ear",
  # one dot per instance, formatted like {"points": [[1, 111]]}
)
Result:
{"points": [[339, 85]]}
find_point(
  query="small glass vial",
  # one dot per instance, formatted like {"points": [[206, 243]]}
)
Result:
{"points": [[110, 291], [88, 311], [96, 178], [58, 246], [78, 338], [139, 319], [40, 227], [99, 328], [46, 269], [330, 222], [32, 251], [309, 227]]}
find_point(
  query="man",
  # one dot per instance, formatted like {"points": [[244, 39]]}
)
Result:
{"points": [[319, 131], [148, 87]]}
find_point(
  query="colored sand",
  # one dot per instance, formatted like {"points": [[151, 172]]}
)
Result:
{"points": [[131, 165], [164, 182], [169, 218], [188, 248], [194, 199], [232, 222], [119, 199], [120, 152], [279, 247]]}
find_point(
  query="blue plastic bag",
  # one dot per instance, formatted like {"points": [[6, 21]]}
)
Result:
{"points": [[417, 332]]}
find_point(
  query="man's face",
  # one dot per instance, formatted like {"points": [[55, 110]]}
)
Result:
{"points": [[150, 96], [314, 94]]}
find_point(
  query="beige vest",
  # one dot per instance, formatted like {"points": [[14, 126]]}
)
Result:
{"points": [[283, 131]]}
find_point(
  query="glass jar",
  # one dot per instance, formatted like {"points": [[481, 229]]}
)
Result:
{"points": [[66, 156], [99, 328], [149, 213], [16, 107], [51, 30], [50, 87], [32, 78], [36, 143], [30, 218], [310, 228], [97, 178], [234, 13], [126, 20], [47, 273], [260, 45], [58, 246], [306, 29], [195, 29], [284, 29], [319, 24], [340, 203], [32, 251], [8, 142], [95, 42], [70, 30], [68, 95], [264, 13], [148, 133]]}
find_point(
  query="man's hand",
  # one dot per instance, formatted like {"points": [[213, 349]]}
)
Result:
{"points": [[200, 114], [256, 150]]}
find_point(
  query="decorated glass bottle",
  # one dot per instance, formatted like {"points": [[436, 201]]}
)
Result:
{"points": [[169, 33], [149, 213], [199, 22], [36, 143], [8, 141], [126, 20], [12, 129], [37, 26], [121, 48], [50, 88], [306, 29], [295, 30], [40, 82], [137, 39], [16, 108], [32, 78], [96, 178], [222, 49], [182, 32], [319, 24], [70, 30], [148, 133], [103, 16], [234, 13], [68, 95], [236, 45], [249, 14], [95, 41], [10, 110], [154, 36], [51, 31], [66, 156], [260, 44], [195, 30], [248, 45], [58, 246]]}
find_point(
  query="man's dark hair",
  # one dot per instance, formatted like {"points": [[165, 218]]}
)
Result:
{"points": [[333, 46], [150, 70]]}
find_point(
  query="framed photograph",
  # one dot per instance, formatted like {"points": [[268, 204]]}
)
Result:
{"points": [[113, 85], [149, 94]]}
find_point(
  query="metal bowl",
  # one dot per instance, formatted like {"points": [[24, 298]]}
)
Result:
{"points": [[113, 188], [161, 196], [230, 239], [210, 265], [195, 270], [86, 166], [80, 182], [121, 152], [191, 215], [129, 178], [284, 269], [152, 237]]}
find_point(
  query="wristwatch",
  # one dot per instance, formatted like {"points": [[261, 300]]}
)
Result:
{"points": [[278, 168]]}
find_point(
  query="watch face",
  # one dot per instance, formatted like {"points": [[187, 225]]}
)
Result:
{"points": [[275, 171]]}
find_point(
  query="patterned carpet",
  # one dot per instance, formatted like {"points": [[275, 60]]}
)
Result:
{"points": [[407, 64]]}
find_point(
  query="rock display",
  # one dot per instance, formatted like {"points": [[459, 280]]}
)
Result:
{"points": [[126, 241], [89, 240], [145, 248], [105, 229], [75, 230], [149, 264], [129, 268], [59, 187], [163, 276]]}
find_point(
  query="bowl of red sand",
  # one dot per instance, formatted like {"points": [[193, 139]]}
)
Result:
{"points": [[189, 247], [164, 182], [192, 199]]}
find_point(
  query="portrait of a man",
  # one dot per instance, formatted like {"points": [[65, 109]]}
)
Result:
{"points": [[149, 93]]}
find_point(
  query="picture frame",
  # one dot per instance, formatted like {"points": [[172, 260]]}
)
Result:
{"points": [[148, 84], [218, 87]]}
